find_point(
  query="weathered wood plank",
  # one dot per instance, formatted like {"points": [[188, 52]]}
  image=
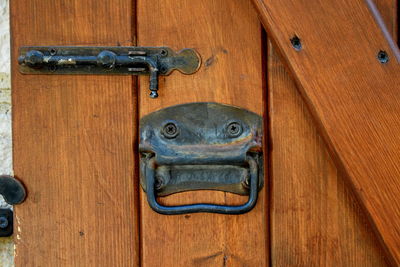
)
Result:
{"points": [[73, 140], [352, 96], [227, 34]]}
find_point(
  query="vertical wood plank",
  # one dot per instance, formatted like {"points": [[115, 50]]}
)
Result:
{"points": [[73, 139], [315, 219], [227, 34]]}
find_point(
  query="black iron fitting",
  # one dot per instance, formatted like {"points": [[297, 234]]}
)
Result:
{"points": [[12, 190], [6, 222], [152, 61], [13, 193], [201, 146]]}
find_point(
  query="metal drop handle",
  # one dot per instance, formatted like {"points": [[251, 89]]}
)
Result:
{"points": [[201, 207]]}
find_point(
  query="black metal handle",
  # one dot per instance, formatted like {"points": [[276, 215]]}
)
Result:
{"points": [[201, 207]]}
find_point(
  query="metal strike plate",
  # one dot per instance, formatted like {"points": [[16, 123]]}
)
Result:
{"points": [[201, 146], [152, 61]]}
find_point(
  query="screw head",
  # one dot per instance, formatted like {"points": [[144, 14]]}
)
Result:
{"points": [[163, 69], [164, 52], [3, 222], [170, 130], [153, 94], [383, 57], [106, 59], [296, 43], [52, 68], [53, 52], [234, 129]]}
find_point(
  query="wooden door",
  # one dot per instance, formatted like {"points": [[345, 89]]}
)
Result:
{"points": [[76, 146]]}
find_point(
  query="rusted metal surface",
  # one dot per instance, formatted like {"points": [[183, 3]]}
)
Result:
{"points": [[199, 146], [152, 61]]}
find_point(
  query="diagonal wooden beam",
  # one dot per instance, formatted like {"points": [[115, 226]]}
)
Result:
{"points": [[347, 68]]}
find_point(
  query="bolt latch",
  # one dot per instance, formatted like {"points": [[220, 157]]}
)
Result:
{"points": [[152, 61]]}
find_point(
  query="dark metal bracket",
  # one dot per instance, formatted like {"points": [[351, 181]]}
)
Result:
{"points": [[6, 222], [13, 193], [12, 190], [201, 146], [152, 61]]}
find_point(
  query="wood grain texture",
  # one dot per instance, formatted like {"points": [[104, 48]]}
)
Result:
{"points": [[227, 34], [315, 220], [73, 139], [355, 102]]}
